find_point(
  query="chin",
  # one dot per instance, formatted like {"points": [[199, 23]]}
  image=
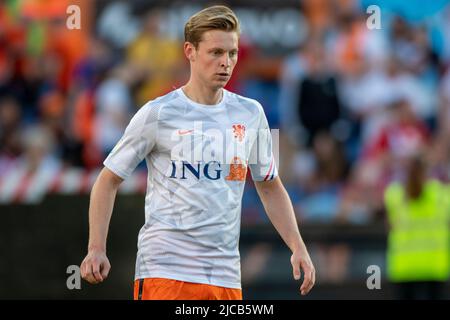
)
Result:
{"points": [[219, 85]]}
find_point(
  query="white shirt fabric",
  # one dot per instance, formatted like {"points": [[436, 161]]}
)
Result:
{"points": [[193, 203]]}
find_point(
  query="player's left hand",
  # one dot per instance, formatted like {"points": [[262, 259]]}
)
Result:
{"points": [[300, 260]]}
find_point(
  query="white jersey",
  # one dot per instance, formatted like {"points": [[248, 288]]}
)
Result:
{"points": [[197, 157]]}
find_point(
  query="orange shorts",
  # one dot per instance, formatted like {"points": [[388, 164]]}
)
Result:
{"points": [[168, 289]]}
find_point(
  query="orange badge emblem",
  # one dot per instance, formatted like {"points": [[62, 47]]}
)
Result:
{"points": [[238, 170], [239, 131]]}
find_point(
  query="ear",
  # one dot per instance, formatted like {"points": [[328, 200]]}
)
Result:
{"points": [[189, 51]]}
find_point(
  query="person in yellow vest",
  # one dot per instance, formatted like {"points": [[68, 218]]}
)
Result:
{"points": [[418, 241]]}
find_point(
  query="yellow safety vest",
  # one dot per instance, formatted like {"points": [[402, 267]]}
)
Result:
{"points": [[418, 242]]}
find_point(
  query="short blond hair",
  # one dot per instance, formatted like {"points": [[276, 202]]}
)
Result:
{"points": [[212, 18]]}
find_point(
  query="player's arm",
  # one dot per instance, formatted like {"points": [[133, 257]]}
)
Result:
{"points": [[279, 209], [95, 267]]}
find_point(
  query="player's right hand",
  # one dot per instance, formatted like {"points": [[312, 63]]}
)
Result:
{"points": [[95, 267]]}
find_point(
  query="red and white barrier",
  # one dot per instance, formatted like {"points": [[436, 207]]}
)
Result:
{"points": [[21, 186]]}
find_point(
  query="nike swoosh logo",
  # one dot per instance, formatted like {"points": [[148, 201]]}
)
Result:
{"points": [[184, 132]]}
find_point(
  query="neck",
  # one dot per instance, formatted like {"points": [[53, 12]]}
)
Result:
{"points": [[202, 94]]}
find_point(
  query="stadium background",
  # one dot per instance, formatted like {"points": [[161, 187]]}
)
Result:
{"points": [[67, 95]]}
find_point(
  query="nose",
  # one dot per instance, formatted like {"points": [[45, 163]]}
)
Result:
{"points": [[225, 61]]}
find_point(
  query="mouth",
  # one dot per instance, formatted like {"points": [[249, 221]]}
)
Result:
{"points": [[223, 74]]}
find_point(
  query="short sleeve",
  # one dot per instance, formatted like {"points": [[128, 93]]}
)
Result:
{"points": [[136, 143], [262, 161]]}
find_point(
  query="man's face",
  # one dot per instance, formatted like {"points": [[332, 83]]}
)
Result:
{"points": [[215, 57]]}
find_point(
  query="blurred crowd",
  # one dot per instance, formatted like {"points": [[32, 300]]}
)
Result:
{"points": [[358, 104], [353, 104]]}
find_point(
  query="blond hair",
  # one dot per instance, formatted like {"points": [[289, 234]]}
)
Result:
{"points": [[212, 18]]}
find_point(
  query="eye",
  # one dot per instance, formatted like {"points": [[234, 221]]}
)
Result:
{"points": [[233, 54]]}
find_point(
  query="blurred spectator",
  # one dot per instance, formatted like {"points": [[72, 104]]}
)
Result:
{"points": [[51, 109], [381, 89], [412, 52], [412, 49], [418, 249], [382, 159], [404, 135], [444, 111], [65, 46], [292, 72], [10, 126], [157, 56], [359, 201], [438, 158], [321, 174], [39, 146], [443, 25], [92, 68], [113, 108], [353, 43], [81, 150], [319, 105]]}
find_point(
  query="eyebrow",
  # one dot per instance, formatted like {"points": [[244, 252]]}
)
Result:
{"points": [[221, 49]]}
